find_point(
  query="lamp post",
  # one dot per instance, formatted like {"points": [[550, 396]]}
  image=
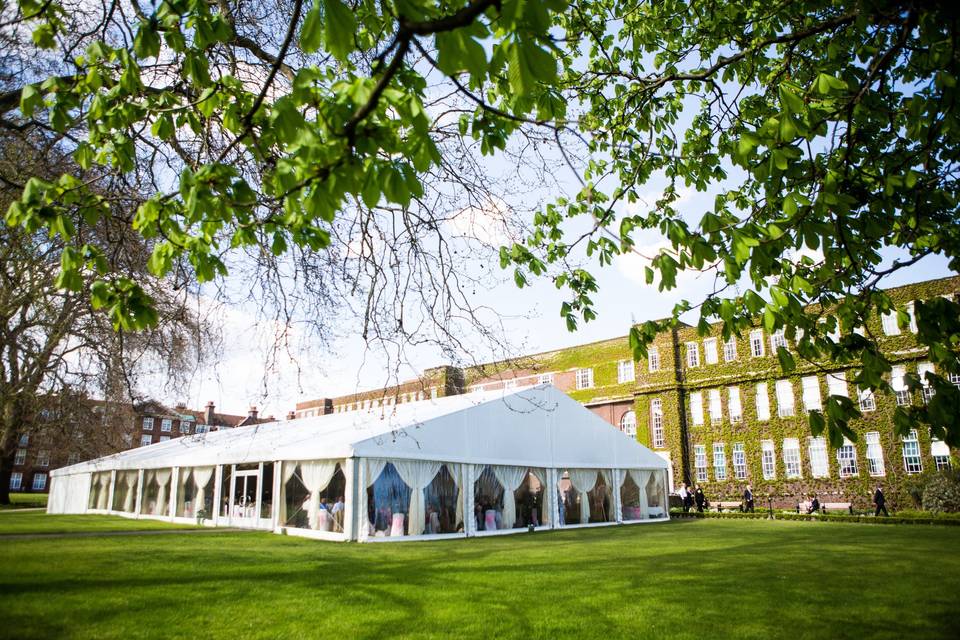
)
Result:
{"points": [[770, 506]]}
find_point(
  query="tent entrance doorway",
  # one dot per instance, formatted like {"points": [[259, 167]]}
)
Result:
{"points": [[249, 504]]}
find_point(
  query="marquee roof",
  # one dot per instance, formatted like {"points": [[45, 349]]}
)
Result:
{"points": [[532, 426]]}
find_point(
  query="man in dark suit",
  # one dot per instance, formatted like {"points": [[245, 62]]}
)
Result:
{"points": [[748, 500], [880, 502]]}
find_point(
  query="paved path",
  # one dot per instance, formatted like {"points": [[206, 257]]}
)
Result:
{"points": [[21, 510], [97, 534]]}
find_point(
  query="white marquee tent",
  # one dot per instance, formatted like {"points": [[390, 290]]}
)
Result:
{"points": [[528, 458]]}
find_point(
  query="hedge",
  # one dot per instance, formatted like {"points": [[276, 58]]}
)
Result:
{"points": [[780, 515]]}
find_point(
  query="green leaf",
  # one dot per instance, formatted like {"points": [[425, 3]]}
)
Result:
{"points": [[30, 99], [341, 25], [311, 33]]}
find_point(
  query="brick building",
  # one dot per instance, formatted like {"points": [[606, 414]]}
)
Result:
{"points": [[82, 430], [722, 412]]}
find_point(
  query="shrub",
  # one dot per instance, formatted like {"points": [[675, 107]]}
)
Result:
{"points": [[942, 493]]}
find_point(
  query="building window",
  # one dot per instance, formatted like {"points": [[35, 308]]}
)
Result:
{"points": [[941, 454], [716, 409], [730, 350], [628, 424], [763, 402], [700, 461], [39, 481], [433, 393], [954, 378], [16, 481], [148, 424], [166, 425], [911, 453], [696, 408], [710, 355], [739, 461], [202, 428], [719, 461], [584, 378], [837, 384], [545, 378], [756, 343], [20, 456], [656, 421], [867, 402], [899, 384], [43, 459], [184, 426], [145, 440], [791, 458], [24, 440], [889, 322], [913, 317], [784, 398], [73, 458], [653, 359], [733, 405], [777, 340], [508, 384], [625, 371], [875, 465], [768, 459], [817, 449], [811, 393], [693, 354], [164, 438], [922, 370], [847, 460]]}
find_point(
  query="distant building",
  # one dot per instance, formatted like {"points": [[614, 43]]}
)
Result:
{"points": [[721, 411]]}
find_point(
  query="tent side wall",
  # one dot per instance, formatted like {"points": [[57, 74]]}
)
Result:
{"points": [[69, 493]]}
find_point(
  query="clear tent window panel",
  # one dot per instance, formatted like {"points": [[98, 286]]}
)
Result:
{"points": [[443, 509], [319, 509], [388, 503], [584, 496], [156, 492]]}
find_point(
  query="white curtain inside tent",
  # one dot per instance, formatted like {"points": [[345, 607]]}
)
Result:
{"points": [[316, 475], [417, 474], [286, 474], [541, 476], [456, 471], [201, 476], [640, 477], [511, 478], [163, 479], [373, 467], [130, 479], [583, 480]]}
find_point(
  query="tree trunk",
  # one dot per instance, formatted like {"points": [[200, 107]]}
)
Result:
{"points": [[12, 421]]}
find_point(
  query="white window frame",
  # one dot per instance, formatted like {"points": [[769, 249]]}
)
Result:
{"points": [[715, 406], [700, 461], [928, 390], [693, 355], [734, 405], [940, 453], [653, 359], [847, 460], [164, 438], [16, 481], [146, 440], [739, 461], [889, 323], [719, 461], [912, 462], [792, 466], [866, 400], [184, 427], [584, 379], [20, 457], [768, 459], [148, 424], [756, 343], [625, 372], [696, 408], [39, 481], [710, 354], [730, 350], [819, 461], [166, 425], [507, 384], [875, 464], [656, 422], [763, 402], [628, 424], [43, 458], [911, 311], [837, 384], [812, 400], [545, 378], [785, 405], [777, 339]]}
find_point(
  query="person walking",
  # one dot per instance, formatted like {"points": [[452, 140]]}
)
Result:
{"points": [[880, 502], [699, 498], [684, 494], [748, 499]]}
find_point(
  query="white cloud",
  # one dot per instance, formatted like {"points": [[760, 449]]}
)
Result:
{"points": [[486, 223]]}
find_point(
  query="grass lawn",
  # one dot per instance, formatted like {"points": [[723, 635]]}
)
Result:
{"points": [[25, 501], [692, 579], [12, 522]]}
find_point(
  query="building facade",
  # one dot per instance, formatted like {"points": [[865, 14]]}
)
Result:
{"points": [[722, 412]]}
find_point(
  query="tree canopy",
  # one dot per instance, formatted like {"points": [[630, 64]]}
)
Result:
{"points": [[824, 129]]}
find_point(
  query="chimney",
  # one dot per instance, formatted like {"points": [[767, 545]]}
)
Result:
{"points": [[291, 415], [181, 405], [208, 413], [252, 413]]}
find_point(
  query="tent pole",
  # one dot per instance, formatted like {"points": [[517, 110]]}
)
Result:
{"points": [[139, 504], [174, 490], [217, 493], [350, 508], [275, 512]]}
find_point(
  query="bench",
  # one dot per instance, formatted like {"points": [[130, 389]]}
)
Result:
{"points": [[729, 505], [804, 507], [837, 506]]}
